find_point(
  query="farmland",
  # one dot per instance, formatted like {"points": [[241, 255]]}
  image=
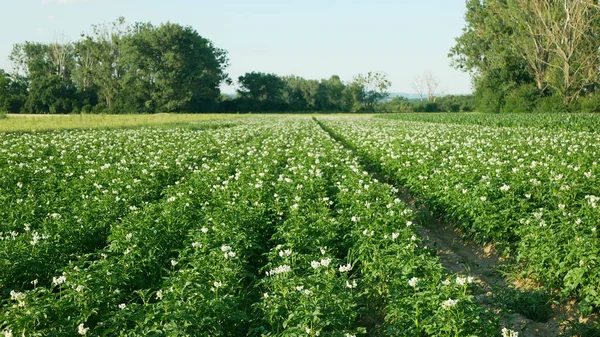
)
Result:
{"points": [[291, 226]]}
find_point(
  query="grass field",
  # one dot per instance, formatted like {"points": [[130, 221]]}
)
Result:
{"points": [[18, 122]]}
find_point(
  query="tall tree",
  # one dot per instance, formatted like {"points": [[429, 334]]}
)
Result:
{"points": [[418, 85], [31, 59], [50, 94], [173, 68], [47, 69], [432, 82], [529, 40], [261, 91], [573, 30], [4, 90], [99, 59], [484, 50], [13, 92], [85, 61], [300, 94], [330, 94], [483, 45], [373, 88], [556, 42]]}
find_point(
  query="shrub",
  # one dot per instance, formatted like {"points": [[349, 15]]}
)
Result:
{"points": [[551, 104], [589, 103], [521, 100]]}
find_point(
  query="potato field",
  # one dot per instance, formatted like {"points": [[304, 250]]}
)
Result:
{"points": [[296, 226]]}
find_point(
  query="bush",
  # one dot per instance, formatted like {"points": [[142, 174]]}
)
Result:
{"points": [[551, 104], [589, 104], [86, 109], [457, 103], [426, 107], [523, 99]]}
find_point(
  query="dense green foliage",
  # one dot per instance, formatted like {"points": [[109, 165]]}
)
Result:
{"points": [[530, 191], [118, 69], [267, 227], [531, 56], [448, 103], [262, 92], [143, 68]]}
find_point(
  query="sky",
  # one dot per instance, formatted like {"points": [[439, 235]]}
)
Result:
{"points": [[313, 39]]}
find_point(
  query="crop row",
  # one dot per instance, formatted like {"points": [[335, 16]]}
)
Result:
{"points": [[85, 184], [532, 192]]}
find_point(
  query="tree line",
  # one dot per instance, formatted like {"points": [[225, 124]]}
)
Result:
{"points": [[260, 92], [138, 68], [531, 55], [446, 103], [144, 68]]}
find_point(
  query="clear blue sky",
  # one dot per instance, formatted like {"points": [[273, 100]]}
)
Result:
{"points": [[309, 38]]}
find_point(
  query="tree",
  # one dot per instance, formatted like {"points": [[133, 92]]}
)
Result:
{"points": [[4, 91], [99, 59], [483, 45], [171, 68], [261, 91], [373, 89], [31, 60], [61, 57], [571, 27], [529, 40], [397, 104], [330, 94], [554, 42], [85, 61], [354, 97], [13, 92], [432, 83], [418, 85], [46, 69], [50, 94], [484, 50], [300, 94]]}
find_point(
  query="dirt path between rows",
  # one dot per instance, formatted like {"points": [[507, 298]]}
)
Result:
{"points": [[458, 256], [492, 290]]}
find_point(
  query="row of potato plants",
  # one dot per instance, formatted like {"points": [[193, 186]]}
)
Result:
{"points": [[139, 248], [63, 196], [532, 192], [406, 287], [206, 290], [406, 282], [307, 288], [348, 261]]}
